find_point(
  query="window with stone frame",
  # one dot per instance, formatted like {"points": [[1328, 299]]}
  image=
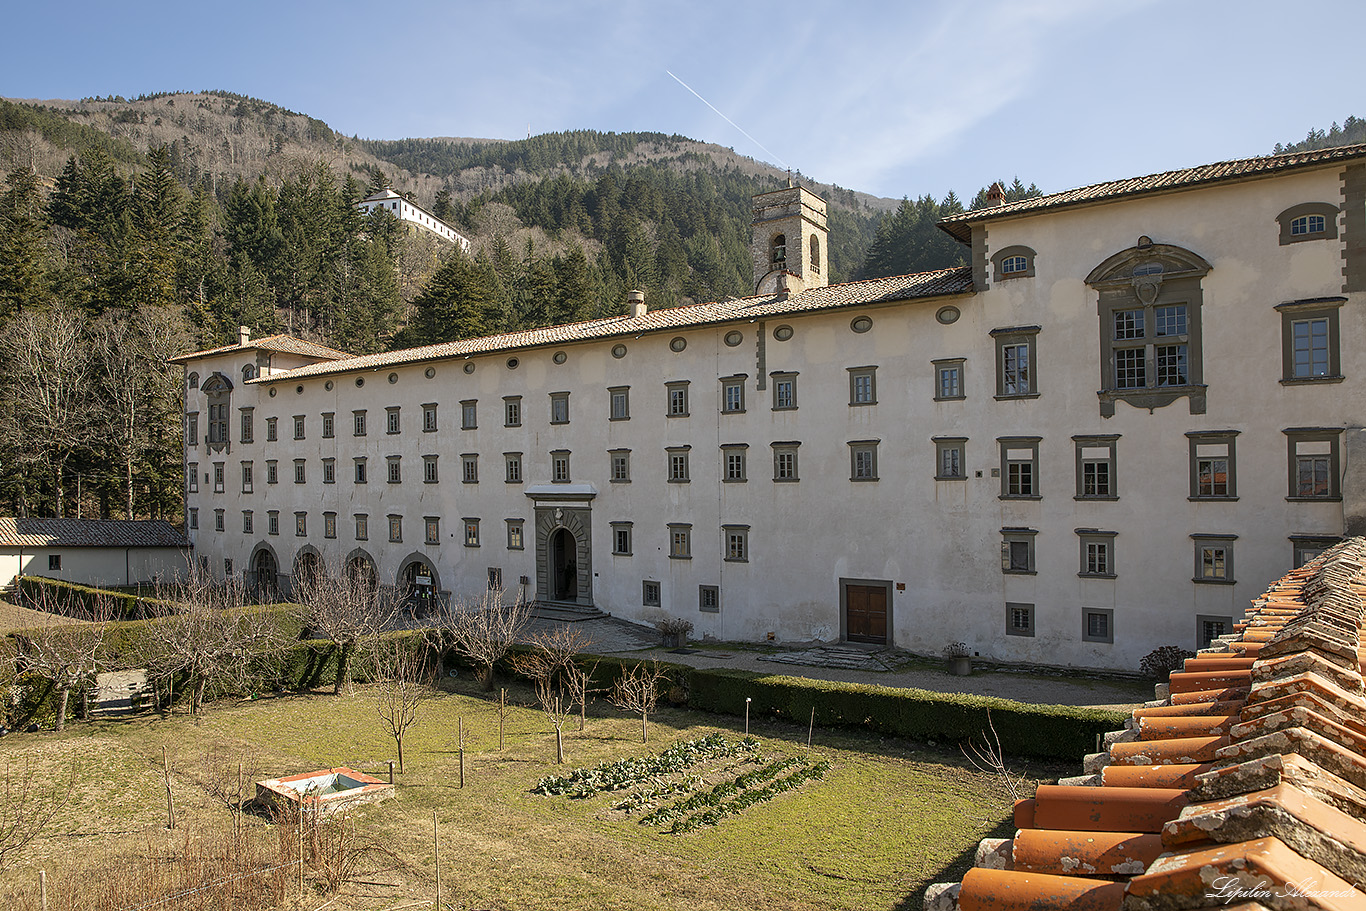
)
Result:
{"points": [[469, 414], [300, 423], [300, 471], [329, 525], [1308, 221], [248, 479], [1019, 468], [192, 429], [360, 465], [272, 429], [1307, 548], [469, 468], [392, 420], [1016, 261], [1214, 558], [429, 418], [1097, 553], [619, 403], [395, 529], [1314, 463], [1017, 550], [621, 539], [709, 598], [784, 390], [394, 469], [272, 521], [358, 423], [950, 464], [862, 385], [1097, 624], [1016, 362], [194, 517], [218, 477], [677, 392], [272, 471], [733, 394], [362, 526], [301, 524], [248, 522], [1213, 465], [559, 408], [733, 463], [432, 529], [785, 461], [329, 471], [512, 467], [948, 379], [329, 425], [1095, 466], [735, 539], [1019, 619], [218, 520], [680, 541], [512, 411], [620, 465], [559, 466], [1211, 627], [192, 477], [677, 457], [515, 534], [1311, 341], [248, 416], [1150, 301], [471, 532], [863, 460], [649, 593]]}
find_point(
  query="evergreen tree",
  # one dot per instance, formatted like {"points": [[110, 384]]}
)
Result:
{"points": [[158, 241], [23, 245], [459, 302]]}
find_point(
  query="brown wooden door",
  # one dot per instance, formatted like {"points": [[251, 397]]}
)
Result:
{"points": [[865, 613]]}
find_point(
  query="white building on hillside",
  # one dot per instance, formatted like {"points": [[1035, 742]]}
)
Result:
{"points": [[411, 213], [102, 552], [1140, 403]]}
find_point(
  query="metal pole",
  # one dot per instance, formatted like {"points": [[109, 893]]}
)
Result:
{"points": [[436, 855], [462, 751], [746, 716]]}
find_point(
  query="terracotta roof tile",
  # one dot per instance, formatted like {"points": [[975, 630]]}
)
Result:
{"points": [[832, 297], [286, 344], [89, 533], [1166, 181]]}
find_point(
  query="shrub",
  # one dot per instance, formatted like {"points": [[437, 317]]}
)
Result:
{"points": [[1160, 662]]}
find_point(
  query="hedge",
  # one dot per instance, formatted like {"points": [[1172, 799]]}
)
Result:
{"points": [[1044, 731], [84, 598]]}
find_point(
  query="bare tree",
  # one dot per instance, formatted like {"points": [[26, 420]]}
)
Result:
{"points": [[64, 653], [205, 632], [401, 690], [637, 691], [550, 665], [344, 608], [484, 631], [29, 805]]}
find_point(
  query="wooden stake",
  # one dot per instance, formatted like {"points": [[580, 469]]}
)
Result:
{"points": [[747, 716], [811, 727], [301, 846], [461, 728], [436, 855], [391, 771], [237, 810], [42, 886], [170, 801], [502, 713]]}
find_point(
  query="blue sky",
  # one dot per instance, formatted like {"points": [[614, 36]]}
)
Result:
{"points": [[890, 98]]}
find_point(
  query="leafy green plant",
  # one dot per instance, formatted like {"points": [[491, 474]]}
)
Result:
{"points": [[625, 773]]}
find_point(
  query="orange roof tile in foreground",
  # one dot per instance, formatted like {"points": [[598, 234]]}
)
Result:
{"points": [[1243, 787]]}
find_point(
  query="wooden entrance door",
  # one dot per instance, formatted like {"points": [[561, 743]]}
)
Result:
{"points": [[865, 613]]}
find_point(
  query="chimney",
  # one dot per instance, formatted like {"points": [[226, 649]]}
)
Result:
{"points": [[996, 195], [784, 285], [636, 300], [243, 336]]}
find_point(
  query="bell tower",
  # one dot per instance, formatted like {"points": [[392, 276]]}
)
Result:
{"points": [[789, 237]]}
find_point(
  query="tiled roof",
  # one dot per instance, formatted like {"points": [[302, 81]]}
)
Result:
{"points": [[287, 344], [1246, 780], [849, 294], [89, 533], [1238, 169]]}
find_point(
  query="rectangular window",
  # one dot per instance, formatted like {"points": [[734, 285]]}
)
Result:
{"points": [[429, 418], [192, 429], [247, 479], [358, 423], [298, 426], [1308, 548], [432, 529], [54, 561], [396, 529], [619, 403], [733, 395], [300, 471], [621, 465], [709, 599], [678, 398], [272, 471], [678, 464], [1213, 469], [1017, 550], [559, 408], [559, 466], [1208, 628], [1314, 463], [301, 524], [362, 526], [248, 522], [948, 379], [429, 475], [733, 459], [227, 566], [1095, 465], [394, 467], [273, 522], [194, 517], [192, 477], [329, 471], [649, 594], [469, 468], [1097, 624], [329, 425], [272, 429], [862, 385], [1097, 553], [784, 391], [1019, 467], [621, 539], [1310, 341], [515, 540], [248, 426], [949, 458], [391, 420], [785, 461], [512, 411], [512, 467], [471, 532], [863, 460], [329, 525], [1015, 373], [217, 477], [680, 542], [1214, 558], [360, 470], [218, 520], [1019, 619], [736, 543], [495, 579]]}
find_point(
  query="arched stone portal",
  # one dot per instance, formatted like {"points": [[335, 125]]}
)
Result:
{"points": [[564, 542], [264, 581], [419, 586], [563, 565], [360, 567], [308, 566]]}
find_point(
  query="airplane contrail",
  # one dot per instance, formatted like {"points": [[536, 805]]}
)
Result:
{"points": [[727, 119]]}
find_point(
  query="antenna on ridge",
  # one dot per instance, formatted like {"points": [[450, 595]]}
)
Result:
{"points": [[789, 178]]}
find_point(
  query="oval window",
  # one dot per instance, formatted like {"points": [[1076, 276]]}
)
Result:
{"points": [[734, 337], [861, 323], [948, 315], [328, 385], [469, 366], [360, 381], [618, 351], [272, 392], [512, 363], [678, 343], [393, 378], [429, 372], [559, 357], [783, 333], [299, 390]]}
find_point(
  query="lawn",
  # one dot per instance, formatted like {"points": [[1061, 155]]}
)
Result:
{"points": [[888, 818]]}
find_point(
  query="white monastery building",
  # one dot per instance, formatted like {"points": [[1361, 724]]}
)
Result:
{"points": [[411, 213], [1140, 403]]}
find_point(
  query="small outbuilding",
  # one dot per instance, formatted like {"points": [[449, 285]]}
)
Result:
{"points": [[103, 552]]}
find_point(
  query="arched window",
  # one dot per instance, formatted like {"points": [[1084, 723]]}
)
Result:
{"points": [[1308, 221], [779, 249], [194, 381], [815, 254], [249, 372]]}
